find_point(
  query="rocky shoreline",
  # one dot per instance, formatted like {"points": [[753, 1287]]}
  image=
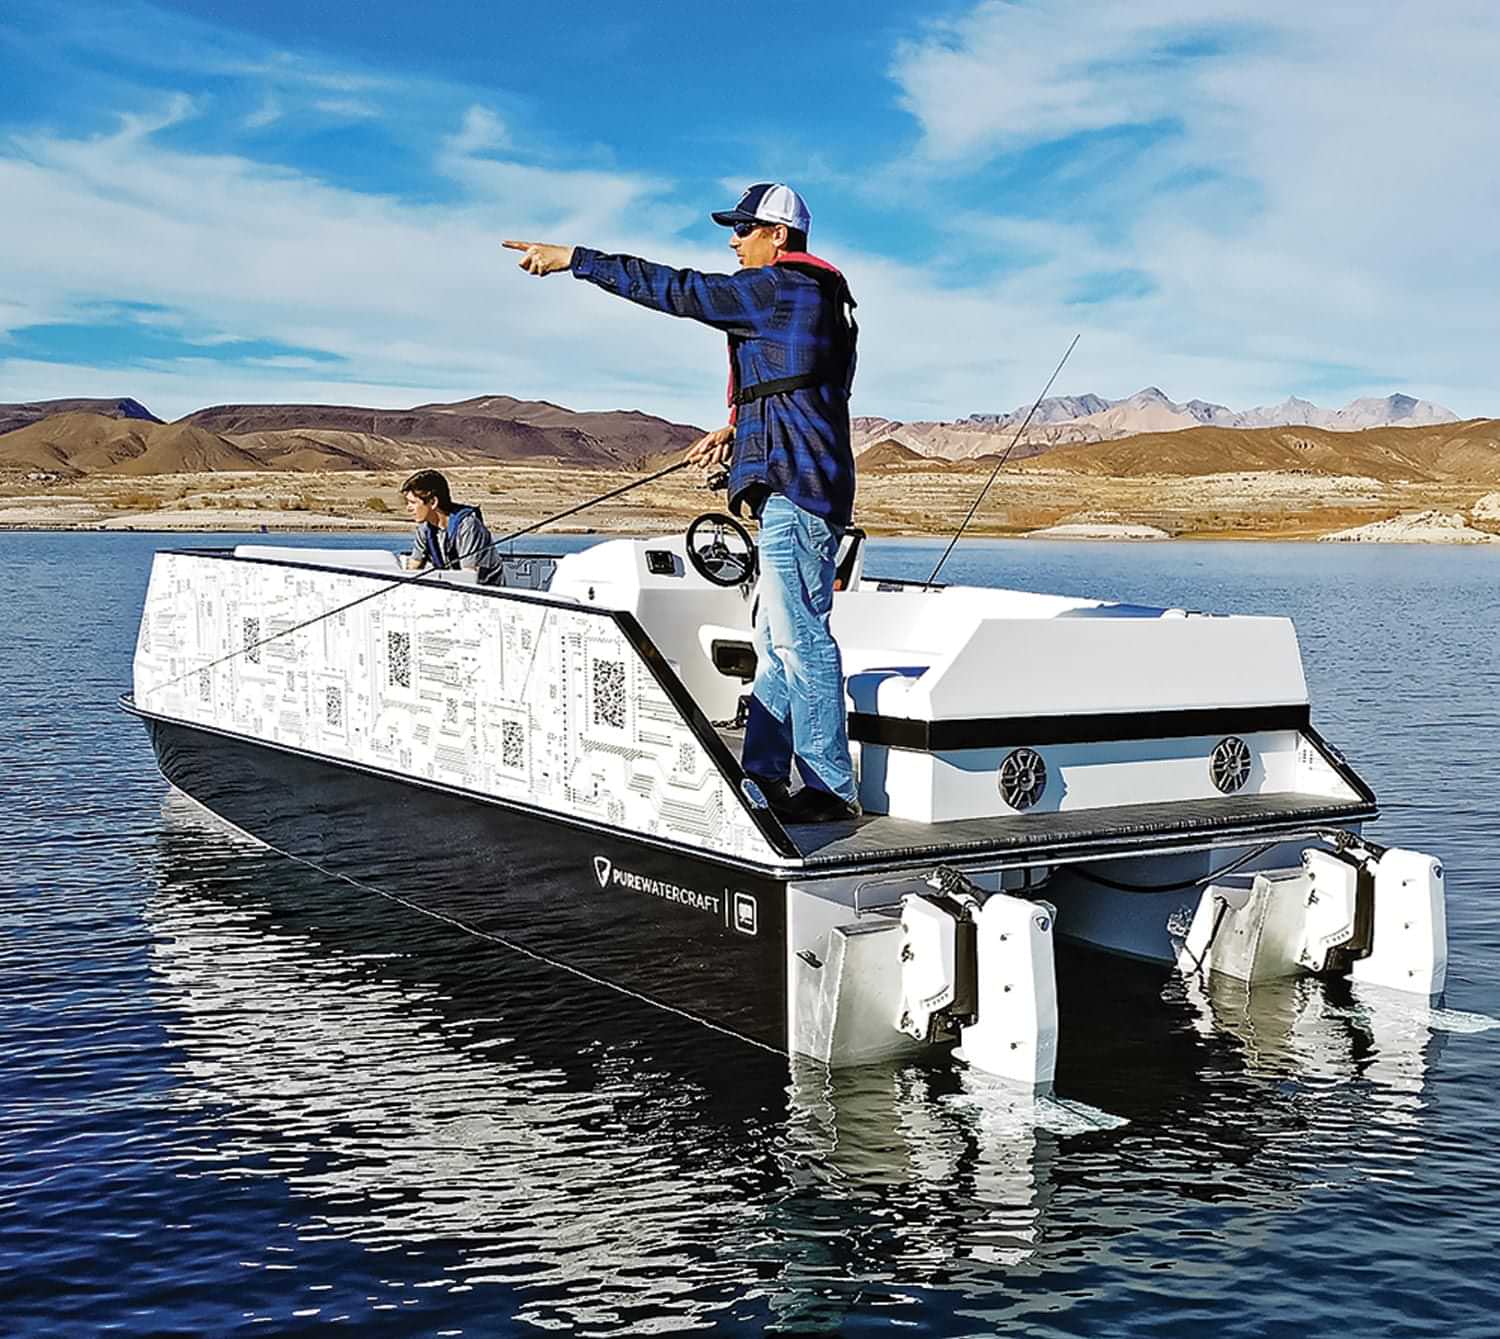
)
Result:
{"points": [[1027, 500], [1415, 527]]}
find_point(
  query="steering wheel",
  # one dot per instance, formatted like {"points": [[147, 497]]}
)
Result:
{"points": [[720, 549]]}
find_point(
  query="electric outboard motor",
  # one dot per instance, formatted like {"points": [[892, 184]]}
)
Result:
{"points": [[978, 966]]}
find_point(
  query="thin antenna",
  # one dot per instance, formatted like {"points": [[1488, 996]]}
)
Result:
{"points": [[1025, 423]]}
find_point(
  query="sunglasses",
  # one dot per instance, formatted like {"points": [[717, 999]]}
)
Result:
{"points": [[745, 229]]}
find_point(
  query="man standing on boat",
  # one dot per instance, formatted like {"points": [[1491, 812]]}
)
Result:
{"points": [[791, 331]]}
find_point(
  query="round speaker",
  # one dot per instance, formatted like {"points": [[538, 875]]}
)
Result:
{"points": [[1230, 764], [1023, 778]]}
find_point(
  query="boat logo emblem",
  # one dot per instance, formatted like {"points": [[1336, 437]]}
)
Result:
{"points": [[745, 914], [613, 876]]}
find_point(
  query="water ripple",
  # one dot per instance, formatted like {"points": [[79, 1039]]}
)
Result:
{"points": [[234, 1093]]}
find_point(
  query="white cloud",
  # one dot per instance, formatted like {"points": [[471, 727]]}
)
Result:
{"points": [[288, 69], [1345, 181], [481, 131], [1009, 74], [418, 300], [268, 113], [171, 111], [347, 109], [161, 387]]}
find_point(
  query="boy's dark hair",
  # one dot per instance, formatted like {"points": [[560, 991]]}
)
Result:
{"points": [[796, 239], [431, 485]]}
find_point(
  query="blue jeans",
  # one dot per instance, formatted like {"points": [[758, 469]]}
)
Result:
{"points": [[797, 700]]}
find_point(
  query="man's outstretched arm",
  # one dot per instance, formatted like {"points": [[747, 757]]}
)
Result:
{"points": [[736, 303]]}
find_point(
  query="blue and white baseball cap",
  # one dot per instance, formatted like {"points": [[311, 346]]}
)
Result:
{"points": [[768, 202]]}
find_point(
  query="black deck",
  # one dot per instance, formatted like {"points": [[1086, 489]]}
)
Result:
{"points": [[1120, 828]]}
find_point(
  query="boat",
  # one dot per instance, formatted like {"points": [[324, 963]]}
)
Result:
{"points": [[552, 762]]}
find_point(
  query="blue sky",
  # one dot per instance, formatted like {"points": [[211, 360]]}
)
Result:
{"points": [[1237, 202]]}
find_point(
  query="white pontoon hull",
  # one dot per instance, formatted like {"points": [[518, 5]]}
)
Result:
{"points": [[1027, 753]]}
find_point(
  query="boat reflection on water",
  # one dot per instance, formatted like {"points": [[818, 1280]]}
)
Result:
{"points": [[597, 1162], [1324, 1033]]}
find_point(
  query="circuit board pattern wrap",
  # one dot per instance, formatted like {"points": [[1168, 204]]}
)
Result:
{"points": [[503, 697]]}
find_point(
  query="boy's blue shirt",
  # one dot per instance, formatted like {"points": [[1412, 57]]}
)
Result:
{"points": [[781, 322]]}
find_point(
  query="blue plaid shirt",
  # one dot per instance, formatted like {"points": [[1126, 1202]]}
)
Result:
{"points": [[781, 322]]}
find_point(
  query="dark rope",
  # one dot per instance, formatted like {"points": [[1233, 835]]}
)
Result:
{"points": [[1213, 934], [1118, 887]]}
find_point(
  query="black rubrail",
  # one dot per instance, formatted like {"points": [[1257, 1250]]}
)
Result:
{"points": [[1095, 727]]}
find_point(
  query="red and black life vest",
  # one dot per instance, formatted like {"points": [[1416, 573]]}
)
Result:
{"points": [[834, 369]]}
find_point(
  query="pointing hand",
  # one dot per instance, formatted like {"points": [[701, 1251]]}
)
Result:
{"points": [[540, 258]]}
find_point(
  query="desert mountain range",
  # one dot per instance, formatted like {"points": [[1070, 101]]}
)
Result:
{"points": [[1444, 453], [1146, 434], [1065, 419], [73, 438], [13, 416], [1467, 452]]}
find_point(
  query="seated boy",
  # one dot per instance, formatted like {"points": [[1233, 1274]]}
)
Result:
{"points": [[449, 534]]}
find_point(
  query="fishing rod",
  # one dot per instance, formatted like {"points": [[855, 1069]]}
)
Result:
{"points": [[583, 506], [398, 582], [1025, 423]]}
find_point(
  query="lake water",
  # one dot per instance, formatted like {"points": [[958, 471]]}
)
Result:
{"points": [[237, 1095]]}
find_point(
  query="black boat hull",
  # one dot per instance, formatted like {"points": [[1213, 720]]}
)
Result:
{"points": [[701, 937]]}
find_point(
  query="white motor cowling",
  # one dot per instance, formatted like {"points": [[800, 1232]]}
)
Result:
{"points": [[1015, 1031], [978, 967], [1409, 947], [1378, 918]]}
